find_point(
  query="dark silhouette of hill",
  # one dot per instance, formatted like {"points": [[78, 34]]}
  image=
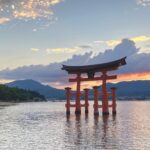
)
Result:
{"points": [[13, 94]]}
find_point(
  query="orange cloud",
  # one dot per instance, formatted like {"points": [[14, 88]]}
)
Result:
{"points": [[28, 9], [4, 20], [114, 42], [134, 76], [3, 81], [63, 50]]}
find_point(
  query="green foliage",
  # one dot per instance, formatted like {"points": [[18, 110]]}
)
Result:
{"points": [[19, 95]]}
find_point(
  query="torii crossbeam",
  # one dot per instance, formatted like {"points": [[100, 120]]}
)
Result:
{"points": [[90, 70]]}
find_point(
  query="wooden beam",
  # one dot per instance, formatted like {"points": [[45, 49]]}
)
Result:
{"points": [[94, 79], [75, 93], [110, 105], [72, 105], [82, 105], [99, 106]]}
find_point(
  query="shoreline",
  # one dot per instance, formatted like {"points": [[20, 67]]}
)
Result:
{"points": [[4, 104]]}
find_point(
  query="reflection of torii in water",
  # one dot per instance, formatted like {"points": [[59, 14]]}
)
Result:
{"points": [[90, 70]]}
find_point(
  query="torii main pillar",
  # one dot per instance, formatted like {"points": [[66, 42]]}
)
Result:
{"points": [[105, 108], [78, 94]]}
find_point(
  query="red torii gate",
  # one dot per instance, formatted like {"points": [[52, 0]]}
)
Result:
{"points": [[90, 70]]}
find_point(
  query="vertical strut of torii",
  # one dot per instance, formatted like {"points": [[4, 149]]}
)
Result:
{"points": [[90, 70]]}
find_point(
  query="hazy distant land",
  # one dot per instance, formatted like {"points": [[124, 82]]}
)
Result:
{"points": [[131, 90]]}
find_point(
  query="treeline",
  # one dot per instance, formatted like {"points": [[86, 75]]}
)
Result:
{"points": [[8, 94]]}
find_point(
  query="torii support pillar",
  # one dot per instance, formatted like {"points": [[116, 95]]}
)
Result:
{"points": [[113, 100], [96, 112], [86, 97], [78, 94], [105, 110], [68, 95]]}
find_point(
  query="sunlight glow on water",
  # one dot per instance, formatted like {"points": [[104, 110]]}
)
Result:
{"points": [[44, 126]]}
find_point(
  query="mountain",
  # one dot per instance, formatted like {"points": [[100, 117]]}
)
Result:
{"points": [[132, 89], [125, 90], [12, 94], [47, 91]]}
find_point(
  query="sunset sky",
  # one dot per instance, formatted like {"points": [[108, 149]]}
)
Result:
{"points": [[38, 36]]}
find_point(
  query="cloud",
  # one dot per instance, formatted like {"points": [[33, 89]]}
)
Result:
{"points": [[62, 50], [35, 49], [147, 45], [27, 9], [134, 76], [136, 39], [141, 38], [113, 42], [66, 50], [4, 20], [143, 2], [52, 73], [85, 47]]}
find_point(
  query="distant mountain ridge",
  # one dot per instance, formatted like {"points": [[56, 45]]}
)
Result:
{"points": [[132, 89], [47, 91], [125, 90]]}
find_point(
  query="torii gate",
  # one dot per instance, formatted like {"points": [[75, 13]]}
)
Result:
{"points": [[90, 70]]}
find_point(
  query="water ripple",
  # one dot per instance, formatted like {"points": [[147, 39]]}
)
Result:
{"points": [[44, 126]]}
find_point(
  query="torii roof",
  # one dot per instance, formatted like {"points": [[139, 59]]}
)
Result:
{"points": [[109, 66]]}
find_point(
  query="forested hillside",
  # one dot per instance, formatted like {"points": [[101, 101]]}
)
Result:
{"points": [[19, 95]]}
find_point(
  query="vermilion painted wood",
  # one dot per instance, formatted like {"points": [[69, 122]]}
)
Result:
{"points": [[78, 105], [105, 110], [113, 65], [113, 100], [94, 79], [96, 112], [68, 94], [90, 70], [86, 94]]}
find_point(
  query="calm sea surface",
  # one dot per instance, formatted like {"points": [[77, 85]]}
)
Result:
{"points": [[44, 126]]}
